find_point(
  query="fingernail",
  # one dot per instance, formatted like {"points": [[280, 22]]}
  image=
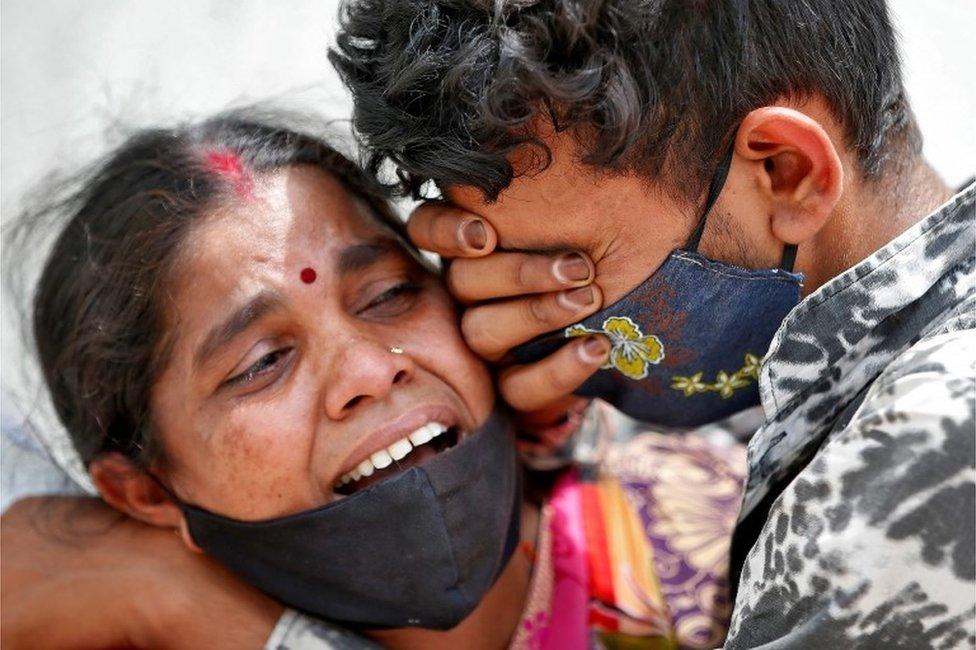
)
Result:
{"points": [[570, 268], [474, 235], [576, 299], [594, 349]]}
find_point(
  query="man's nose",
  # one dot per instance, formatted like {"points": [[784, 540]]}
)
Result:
{"points": [[364, 371]]}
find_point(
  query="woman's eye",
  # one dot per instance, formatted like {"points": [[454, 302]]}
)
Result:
{"points": [[261, 367], [394, 301]]}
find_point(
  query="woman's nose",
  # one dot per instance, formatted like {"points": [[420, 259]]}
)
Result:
{"points": [[365, 371]]}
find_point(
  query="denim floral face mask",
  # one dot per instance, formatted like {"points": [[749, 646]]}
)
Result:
{"points": [[687, 342]]}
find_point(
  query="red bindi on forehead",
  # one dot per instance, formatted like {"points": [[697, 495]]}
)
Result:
{"points": [[308, 275], [230, 166]]}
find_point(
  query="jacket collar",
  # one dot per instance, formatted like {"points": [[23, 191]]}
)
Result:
{"points": [[837, 341]]}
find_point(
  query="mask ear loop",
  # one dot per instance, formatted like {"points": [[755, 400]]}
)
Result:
{"points": [[789, 258], [714, 189]]}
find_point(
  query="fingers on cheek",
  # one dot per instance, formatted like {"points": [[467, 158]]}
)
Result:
{"points": [[492, 329], [592, 351], [535, 273], [475, 236], [546, 312], [480, 337], [451, 232], [504, 275], [459, 278], [537, 385], [417, 226], [425, 226]]}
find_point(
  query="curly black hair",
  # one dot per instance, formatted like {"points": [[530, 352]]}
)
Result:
{"points": [[446, 89]]}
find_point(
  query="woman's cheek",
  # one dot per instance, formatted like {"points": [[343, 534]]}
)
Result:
{"points": [[261, 457], [461, 368], [433, 336]]}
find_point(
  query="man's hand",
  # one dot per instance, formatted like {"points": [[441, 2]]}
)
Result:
{"points": [[78, 574], [545, 431], [512, 297]]}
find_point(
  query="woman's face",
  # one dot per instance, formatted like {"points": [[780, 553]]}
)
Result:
{"points": [[278, 386]]}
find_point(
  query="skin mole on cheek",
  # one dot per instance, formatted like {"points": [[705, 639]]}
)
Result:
{"points": [[308, 275]]}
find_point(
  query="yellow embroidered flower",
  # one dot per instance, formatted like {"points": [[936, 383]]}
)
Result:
{"points": [[751, 367], [578, 330], [689, 385], [631, 352], [727, 384]]}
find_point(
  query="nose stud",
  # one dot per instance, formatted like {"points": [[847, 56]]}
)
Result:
{"points": [[396, 349]]}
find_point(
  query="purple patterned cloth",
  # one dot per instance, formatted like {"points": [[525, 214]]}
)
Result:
{"points": [[687, 493]]}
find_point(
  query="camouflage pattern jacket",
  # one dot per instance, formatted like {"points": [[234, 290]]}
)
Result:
{"points": [[857, 527]]}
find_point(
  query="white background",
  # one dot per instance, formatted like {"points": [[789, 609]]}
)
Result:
{"points": [[73, 71]]}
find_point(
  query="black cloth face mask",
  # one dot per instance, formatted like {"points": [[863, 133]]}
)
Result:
{"points": [[419, 549]]}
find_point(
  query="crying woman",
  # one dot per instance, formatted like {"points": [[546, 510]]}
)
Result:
{"points": [[246, 351]]}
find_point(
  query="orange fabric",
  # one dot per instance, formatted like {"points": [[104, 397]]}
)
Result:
{"points": [[601, 576], [637, 594]]}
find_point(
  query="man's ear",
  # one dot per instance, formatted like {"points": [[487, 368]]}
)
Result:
{"points": [[801, 173], [131, 490]]}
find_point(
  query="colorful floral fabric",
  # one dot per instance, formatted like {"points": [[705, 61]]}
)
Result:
{"points": [[594, 575], [636, 554], [687, 492]]}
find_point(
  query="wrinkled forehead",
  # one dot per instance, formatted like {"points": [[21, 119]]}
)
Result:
{"points": [[290, 222], [293, 220], [288, 215], [301, 203]]}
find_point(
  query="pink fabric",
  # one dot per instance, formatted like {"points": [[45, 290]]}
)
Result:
{"points": [[568, 625], [534, 627]]}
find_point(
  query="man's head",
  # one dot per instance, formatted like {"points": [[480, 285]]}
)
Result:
{"points": [[565, 127], [448, 89], [556, 115]]}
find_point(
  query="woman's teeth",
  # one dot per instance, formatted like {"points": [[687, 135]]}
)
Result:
{"points": [[397, 451]]}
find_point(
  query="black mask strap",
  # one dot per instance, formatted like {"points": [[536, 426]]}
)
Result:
{"points": [[789, 258], [714, 189]]}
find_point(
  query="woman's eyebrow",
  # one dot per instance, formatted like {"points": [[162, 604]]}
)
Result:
{"points": [[360, 256], [238, 321]]}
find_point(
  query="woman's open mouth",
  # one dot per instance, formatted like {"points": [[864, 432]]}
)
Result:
{"points": [[411, 450]]}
